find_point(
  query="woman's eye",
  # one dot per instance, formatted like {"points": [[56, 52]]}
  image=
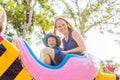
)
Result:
{"points": [[63, 24], [58, 27]]}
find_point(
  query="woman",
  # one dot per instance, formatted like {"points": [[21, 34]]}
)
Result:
{"points": [[72, 42]]}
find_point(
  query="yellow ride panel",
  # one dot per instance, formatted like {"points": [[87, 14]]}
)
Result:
{"points": [[12, 53], [105, 76], [23, 75], [8, 57]]}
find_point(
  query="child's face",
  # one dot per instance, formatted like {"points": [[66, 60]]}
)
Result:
{"points": [[51, 42]]}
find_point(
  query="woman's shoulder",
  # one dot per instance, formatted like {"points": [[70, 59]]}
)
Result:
{"points": [[74, 33]]}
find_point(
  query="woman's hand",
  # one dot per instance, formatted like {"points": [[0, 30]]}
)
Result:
{"points": [[65, 52]]}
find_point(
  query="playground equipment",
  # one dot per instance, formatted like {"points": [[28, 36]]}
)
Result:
{"points": [[10, 64], [19, 62]]}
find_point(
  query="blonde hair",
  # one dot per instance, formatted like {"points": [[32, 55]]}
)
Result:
{"points": [[3, 19], [70, 26]]}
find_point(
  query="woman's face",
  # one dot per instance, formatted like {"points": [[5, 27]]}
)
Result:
{"points": [[51, 41], [61, 26]]}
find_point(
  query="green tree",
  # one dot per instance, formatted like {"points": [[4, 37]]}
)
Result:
{"points": [[101, 14], [23, 16]]}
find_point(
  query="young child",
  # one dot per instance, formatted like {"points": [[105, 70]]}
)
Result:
{"points": [[54, 41], [51, 40]]}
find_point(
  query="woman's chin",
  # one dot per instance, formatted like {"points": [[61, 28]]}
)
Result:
{"points": [[64, 32]]}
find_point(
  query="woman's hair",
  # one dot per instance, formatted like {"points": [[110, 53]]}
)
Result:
{"points": [[3, 19], [58, 40], [70, 27]]}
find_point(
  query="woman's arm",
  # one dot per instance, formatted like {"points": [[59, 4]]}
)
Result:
{"points": [[80, 42]]}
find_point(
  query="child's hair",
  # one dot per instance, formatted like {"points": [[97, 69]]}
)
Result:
{"points": [[58, 40], [3, 19]]}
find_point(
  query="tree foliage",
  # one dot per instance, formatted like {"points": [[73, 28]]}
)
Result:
{"points": [[24, 15], [102, 14]]}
